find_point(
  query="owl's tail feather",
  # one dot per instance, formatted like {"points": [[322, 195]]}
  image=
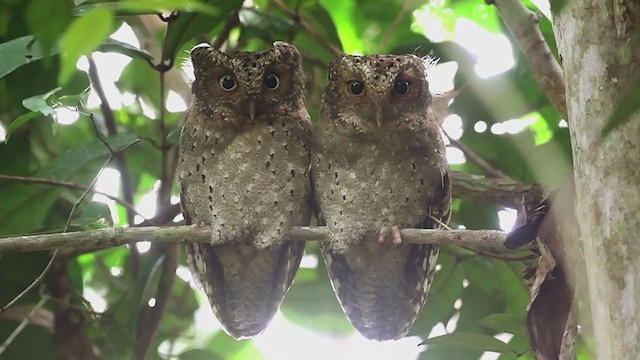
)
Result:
{"points": [[245, 285], [382, 289]]}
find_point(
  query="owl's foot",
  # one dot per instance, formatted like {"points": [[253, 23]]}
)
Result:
{"points": [[393, 233]]}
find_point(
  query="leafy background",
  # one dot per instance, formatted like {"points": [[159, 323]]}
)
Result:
{"points": [[44, 85]]}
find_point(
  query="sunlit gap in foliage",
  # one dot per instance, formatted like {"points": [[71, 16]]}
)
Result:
{"points": [[302, 343], [490, 355], [543, 6], [3, 133], [493, 51], [507, 218], [110, 67], [109, 183], [175, 103]]}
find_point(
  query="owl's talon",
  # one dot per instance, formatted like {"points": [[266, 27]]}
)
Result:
{"points": [[393, 234], [382, 235], [397, 238]]}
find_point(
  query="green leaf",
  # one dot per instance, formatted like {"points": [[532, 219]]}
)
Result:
{"points": [[19, 122], [470, 341], [189, 24], [190, 6], [40, 103], [83, 36], [48, 20], [24, 207], [93, 215], [112, 45], [511, 323], [173, 137], [629, 104], [199, 354], [18, 52]]}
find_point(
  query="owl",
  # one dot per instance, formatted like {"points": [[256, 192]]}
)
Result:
{"points": [[243, 169], [379, 165]]}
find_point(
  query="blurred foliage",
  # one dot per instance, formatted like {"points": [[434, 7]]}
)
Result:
{"points": [[40, 43]]}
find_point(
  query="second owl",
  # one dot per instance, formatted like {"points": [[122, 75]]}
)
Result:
{"points": [[379, 165], [244, 173]]}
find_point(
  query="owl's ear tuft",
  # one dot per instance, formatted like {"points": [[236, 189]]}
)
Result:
{"points": [[334, 65], [201, 56], [288, 52]]}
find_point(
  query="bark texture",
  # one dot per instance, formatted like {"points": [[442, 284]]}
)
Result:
{"points": [[601, 60]]}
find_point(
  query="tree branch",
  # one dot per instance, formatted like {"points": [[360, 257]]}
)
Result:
{"points": [[68, 185], [116, 236], [110, 122], [507, 193], [523, 24], [302, 24]]}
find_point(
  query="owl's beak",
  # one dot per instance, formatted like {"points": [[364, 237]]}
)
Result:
{"points": [[379, 116], [252, 110]]}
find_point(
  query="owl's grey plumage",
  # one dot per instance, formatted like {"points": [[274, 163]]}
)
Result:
{"points": [[378, 165], [244, 172]]}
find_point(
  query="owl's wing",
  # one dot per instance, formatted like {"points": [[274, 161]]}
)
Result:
{"points": [[383, 289], [245, 286]]}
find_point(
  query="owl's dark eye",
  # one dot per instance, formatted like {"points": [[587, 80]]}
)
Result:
{"points": [[400, 87], [271, 82], [356, 87], [227, 82]]}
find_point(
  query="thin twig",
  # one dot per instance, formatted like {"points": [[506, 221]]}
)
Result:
{"points": [[523, 24], [232, 21], [46, 269], [110, 123], [22, 324], [486, 168], [302, 24], [116, 236], [500, 256], [394, 25], [68, 185]]}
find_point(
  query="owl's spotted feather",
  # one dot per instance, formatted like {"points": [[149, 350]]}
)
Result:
{"points": [[378, 165], [244, 172]]}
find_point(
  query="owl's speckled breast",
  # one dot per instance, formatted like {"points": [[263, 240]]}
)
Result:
{"points": [[257, 183]]}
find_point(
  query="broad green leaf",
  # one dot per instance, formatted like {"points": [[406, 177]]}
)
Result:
{"points": [[142, 7], [188, 25], [511, 323], [24, 207], [17, 52], [266, 25], [470, 341], [83, 36], [40, 103], [111, 45], [48, 20], [19, 122], [183, 5], [93, 215], [199, 354]]}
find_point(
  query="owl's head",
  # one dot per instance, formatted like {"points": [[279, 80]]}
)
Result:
{"points": [[377, 89], [252, 85]]}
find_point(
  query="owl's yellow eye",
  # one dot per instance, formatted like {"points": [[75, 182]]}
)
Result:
{"points": [[271, 82], [227, 82], [400, 87], [356, 87]]}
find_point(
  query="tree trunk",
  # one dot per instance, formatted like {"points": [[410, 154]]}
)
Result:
{"points": [[601, 60]]}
